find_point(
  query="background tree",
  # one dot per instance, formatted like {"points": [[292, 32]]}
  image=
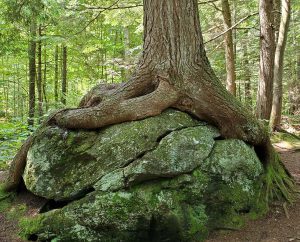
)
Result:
{"points": [[229, 52], [267, 50], [278, 65]]}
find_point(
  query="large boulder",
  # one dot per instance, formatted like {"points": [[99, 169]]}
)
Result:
{"points": [[165, 178]]}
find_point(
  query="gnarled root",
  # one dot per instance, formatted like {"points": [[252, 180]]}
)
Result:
{"points": [[113, 111], [103, 105], [17, 166], [97, 94], [144, 97]]}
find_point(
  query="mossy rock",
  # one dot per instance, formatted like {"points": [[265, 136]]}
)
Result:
{"points": [[164, 178]]}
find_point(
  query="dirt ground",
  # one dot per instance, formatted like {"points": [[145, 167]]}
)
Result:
{"points": [[280, 225]]}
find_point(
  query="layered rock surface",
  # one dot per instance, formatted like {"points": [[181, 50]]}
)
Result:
{"points": [[164, 178]]}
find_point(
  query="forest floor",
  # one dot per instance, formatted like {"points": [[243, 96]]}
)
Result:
{"points": [[282, 223]]}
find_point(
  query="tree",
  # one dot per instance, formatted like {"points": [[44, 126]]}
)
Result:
{"points": [[229, 52], [32, 71], [64, 76], [39, 74], [266, 66], [278, 65], [173, 72], [56, 75]]}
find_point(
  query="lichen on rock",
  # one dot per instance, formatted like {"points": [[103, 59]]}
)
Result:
{"points": [[164, 178]]}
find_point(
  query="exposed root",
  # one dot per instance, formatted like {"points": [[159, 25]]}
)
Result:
{"points": [[115, 111], [99, 111], [278, 183], [97, 94], [17, 166]]}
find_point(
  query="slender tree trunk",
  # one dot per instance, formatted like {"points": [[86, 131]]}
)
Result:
{"points": [[64, 76], [266, 67], [229, 50], [126, 42], [277, 7], [14, 94], [45, 79], [278, 66], [247, 74], [56, 75], [39, 76], [32, 72]]}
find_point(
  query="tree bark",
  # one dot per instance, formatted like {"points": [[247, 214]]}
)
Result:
{"points": [[278, 65], [64, 76], [32, 72], [277, 7], [39, 76], [229, 50], [247, 75], [45, 79], [266, 66], [56, 75]]}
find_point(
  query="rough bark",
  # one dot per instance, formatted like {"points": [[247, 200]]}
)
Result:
{"points": [[266, 67], [173, 72], [64, 76], [32, 72], [56, 74], [277, 17], [247, 75], [45, 79], [39, 76], [229, 50], [278, 65]]}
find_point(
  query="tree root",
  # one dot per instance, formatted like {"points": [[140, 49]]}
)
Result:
{"points": [[111, 104], [17, 166], [278, 183], [97, 110], [113, 111]]}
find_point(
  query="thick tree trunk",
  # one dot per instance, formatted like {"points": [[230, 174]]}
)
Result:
{"points": [[229, 50], [32, 72], [266, 67], [174, 54], [278, 65], [64, 76], [39, 76], [173, 72]]}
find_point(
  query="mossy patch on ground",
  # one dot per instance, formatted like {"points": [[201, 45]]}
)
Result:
{"points": [[286, 140]]}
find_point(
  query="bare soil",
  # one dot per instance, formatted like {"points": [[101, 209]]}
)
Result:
{"points": [[280, 225]]}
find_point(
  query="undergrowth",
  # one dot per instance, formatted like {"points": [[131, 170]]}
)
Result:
{"points": [[12, 134]]}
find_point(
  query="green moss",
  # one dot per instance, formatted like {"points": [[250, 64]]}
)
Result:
{"points": [[278, 185], [290, 140], [29, 226], [6, 199]]}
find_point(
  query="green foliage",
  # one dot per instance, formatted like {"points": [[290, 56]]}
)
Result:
{"points": [[12, 134], [104, 46]]}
